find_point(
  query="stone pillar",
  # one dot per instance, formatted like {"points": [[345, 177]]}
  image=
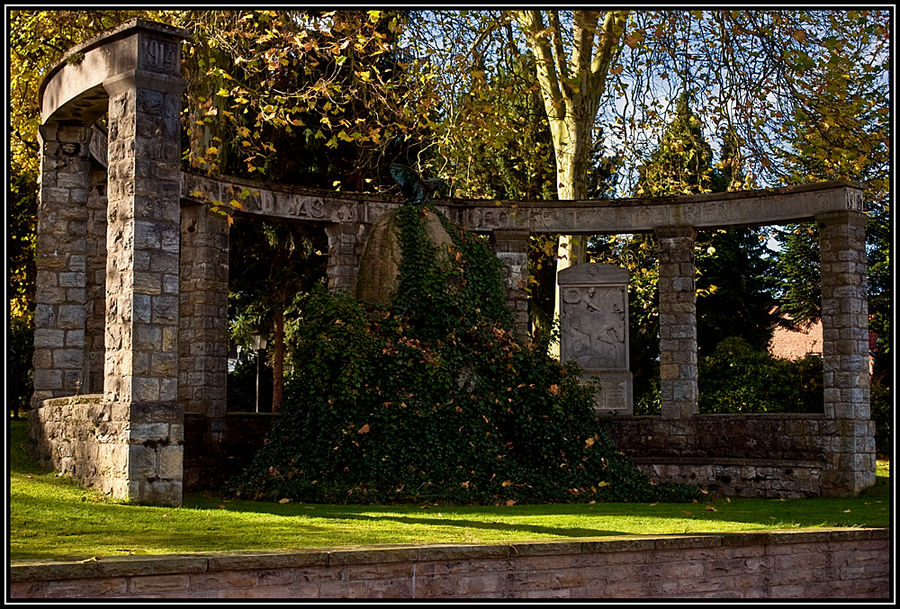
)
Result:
{"points": [[143, 242], [845, 345], [60, 358], [511, 247], [677, 322], [203, 337], [594, 331], [203, 304], [345, 243], [143, 238]]}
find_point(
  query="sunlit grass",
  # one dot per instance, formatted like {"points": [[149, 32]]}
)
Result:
{"points": [[51, 517]]}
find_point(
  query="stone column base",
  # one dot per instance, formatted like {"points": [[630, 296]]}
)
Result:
{"points": [[133, 452]]}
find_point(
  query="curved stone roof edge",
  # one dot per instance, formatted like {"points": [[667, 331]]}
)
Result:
{"points": [[116, 33]]}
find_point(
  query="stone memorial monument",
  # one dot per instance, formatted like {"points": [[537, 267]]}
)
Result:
{"points": [[130, 341], [594, 330]]}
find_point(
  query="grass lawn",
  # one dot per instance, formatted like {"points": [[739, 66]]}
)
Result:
{"points": [[51, 517]]}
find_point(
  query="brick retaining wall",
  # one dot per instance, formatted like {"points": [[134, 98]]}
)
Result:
{"points": [[819, 563]]}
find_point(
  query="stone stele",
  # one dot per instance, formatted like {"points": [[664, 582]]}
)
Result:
{"points": [[594, 330]]}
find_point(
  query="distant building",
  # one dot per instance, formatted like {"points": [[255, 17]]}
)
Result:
{"points": [[794, 344], [803, 340]]}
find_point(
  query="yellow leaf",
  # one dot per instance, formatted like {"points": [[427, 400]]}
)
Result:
{"points": [[212, 150], [846, 511], [285, 500]]}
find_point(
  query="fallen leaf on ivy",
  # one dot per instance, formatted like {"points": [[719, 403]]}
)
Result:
{"points": [[364, 429], [510, 502], [710, 508], [846, 511]]}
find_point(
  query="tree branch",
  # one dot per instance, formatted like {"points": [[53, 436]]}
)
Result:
{"points": [[585, 26], [558, 54], [612, 31], [532, 25]]}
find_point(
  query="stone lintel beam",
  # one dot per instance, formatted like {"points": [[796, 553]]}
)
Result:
{"points": [[715, 210]]}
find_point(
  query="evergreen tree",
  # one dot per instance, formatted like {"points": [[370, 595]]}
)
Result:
{"points": [[734, 267]]}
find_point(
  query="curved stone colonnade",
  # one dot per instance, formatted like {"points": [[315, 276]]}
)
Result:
{"points": [[133, 276]]}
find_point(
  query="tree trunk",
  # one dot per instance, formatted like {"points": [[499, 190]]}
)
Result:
{"points": [[571, 90], [278, 358], [573, 147]]}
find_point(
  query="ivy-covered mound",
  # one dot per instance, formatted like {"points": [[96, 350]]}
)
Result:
{"points": [[432, 399]]}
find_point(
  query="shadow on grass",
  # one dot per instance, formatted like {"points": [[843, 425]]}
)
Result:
{"points": [[51, 517]]}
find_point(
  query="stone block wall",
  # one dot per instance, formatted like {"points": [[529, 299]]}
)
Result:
{"points": [[125, 450], [777, 455], [810, 564]]}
